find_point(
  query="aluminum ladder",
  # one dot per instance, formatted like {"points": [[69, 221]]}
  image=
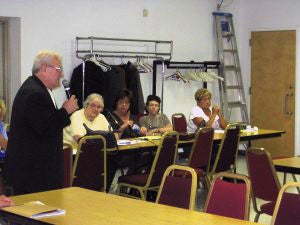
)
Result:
{"points": [[232, 93]]}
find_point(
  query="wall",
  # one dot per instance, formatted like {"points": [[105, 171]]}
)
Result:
{"points": [[269, 15], [55, 24]]}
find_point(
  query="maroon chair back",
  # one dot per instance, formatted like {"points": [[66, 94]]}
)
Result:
{"points": [[178, 191], [229, 199], [265, 184], [164, 158], [68, 165], [228, 150], [179, 123], [90, 164], [287, 207], [201, 149]]}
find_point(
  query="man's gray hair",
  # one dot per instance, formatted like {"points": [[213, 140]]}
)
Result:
{"points": [[92, 97], [44, 57]]}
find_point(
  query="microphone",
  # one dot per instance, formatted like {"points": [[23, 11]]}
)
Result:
{"points": [[66, 85]]}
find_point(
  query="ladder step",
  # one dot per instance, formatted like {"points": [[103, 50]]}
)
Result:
{"points": [[227, 34], [230, 50], [231, 68], [238, 87], [235, 104]]}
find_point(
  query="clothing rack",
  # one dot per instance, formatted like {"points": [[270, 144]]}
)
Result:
{"points": [[205, 65], [89, 46], [94, 43]]}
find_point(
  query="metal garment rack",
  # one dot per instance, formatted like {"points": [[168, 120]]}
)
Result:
{"points": [[89, 46], [180, 65]]}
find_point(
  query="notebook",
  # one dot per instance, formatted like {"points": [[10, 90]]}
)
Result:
{"points": [[35, 209]]}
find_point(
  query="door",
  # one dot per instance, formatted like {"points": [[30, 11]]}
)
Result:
{"points": [[272, 88]]}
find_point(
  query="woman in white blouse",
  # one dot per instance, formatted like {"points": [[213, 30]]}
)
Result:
{"points": [[203, 115]]}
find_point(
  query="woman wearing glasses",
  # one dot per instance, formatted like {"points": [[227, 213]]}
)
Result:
{"points": [[91, 115], [121, 118]]}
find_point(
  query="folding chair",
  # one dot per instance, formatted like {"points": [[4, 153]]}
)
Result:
{"points": [[286, 210], [200, 155], [264, 180], [229, 199], [89, 169], [178, 191], [227, 151], [165, 156], [68, 165], [179, 122]]}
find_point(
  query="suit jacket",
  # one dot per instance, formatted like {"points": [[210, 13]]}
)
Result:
{"points": [[34, 157]]}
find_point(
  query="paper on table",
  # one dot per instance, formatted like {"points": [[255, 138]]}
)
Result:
{"points": [[128, 142], [35, 210]]}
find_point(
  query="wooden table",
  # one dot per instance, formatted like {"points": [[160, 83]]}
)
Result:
{"points": [[245, 136], [89, 207], [287, 165]]}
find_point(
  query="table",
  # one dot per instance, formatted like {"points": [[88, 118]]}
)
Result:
{"points": [[287, 165], [245, 136], [90, 207]]}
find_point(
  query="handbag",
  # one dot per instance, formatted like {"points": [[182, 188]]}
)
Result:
{"points": [[111, 141]]}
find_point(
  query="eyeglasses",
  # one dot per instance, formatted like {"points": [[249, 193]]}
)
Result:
{"points": [[59, 69], [92, 105]]}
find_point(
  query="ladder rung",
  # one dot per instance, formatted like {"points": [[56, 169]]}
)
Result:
{"points": [[227, 34], [230, 50], [235, 104], [231, 68], [238, 87]]}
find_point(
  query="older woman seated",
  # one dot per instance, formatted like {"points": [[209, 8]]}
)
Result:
{"points": [[91, 115], [202, 115], [154, 122]]}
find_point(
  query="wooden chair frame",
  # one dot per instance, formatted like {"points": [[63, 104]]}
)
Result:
{"points": [[143, 189], [235, 177], [84, 140], [193, 174]]}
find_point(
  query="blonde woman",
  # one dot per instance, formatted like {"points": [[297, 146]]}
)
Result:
{"points": [[203, 115], [3, 134]]}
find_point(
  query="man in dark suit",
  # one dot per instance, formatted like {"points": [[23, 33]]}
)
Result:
{"points": [[34, 157]]}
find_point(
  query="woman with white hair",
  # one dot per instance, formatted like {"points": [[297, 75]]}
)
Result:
{"points": [[91, 115]]}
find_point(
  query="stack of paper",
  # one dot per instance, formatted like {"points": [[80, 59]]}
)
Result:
{"points": [[35, 210]]}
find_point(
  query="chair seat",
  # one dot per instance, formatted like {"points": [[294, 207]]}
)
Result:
{"points": [[268, 208], [134, 179]]}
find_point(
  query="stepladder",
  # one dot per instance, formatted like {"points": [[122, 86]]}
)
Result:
{"points": [[232, 91]]}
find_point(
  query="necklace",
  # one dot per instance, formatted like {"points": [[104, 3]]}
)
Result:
{"points": [[151, 122]]}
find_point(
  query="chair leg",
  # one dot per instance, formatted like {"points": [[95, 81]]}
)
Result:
{"points": [[284, 178], [257, 217], [295, 180]]}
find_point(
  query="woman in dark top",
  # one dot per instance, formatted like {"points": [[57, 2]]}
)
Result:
{"points": [[121, 119]]}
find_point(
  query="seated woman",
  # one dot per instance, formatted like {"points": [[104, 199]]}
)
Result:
{"points": [[91, 115], [154, 122], [202, 115], [121, 118], [3, 134]]}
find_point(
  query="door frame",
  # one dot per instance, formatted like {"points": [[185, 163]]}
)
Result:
{"points": [[297, 78]]}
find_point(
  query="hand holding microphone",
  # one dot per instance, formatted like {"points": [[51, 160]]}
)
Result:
{"points": [[71, 104]]}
